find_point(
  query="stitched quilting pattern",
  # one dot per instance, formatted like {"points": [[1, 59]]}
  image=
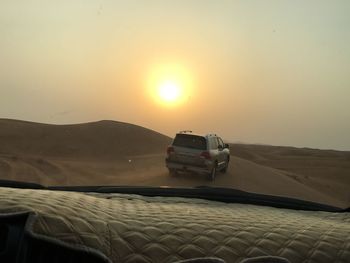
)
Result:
{"points": [[131, 228]]}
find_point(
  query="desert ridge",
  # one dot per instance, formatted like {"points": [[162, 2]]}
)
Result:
{"points": [[116, 153]]}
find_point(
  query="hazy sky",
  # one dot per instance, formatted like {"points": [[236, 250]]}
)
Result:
{"points": [[274, 72]]}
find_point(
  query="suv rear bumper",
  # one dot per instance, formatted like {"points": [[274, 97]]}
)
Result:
{"points": [[205, 169]]}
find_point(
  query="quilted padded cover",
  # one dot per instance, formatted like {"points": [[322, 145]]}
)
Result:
{"points": [[131, 228]]}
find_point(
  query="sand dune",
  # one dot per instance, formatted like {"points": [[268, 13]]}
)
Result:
{"points": [[326, 170], [114, 153], [95, 140]]}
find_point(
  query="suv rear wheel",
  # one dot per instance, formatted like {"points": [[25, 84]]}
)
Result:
{"points": [[212, 174], [224, 170]]}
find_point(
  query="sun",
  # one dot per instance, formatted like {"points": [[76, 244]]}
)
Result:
{"points": [[169, 91], [170, 85]]}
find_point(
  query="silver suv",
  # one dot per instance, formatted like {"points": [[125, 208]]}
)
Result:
{"points": [[204, 154]]}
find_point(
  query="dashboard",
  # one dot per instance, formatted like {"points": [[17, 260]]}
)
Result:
{"points": [[63, 226]]}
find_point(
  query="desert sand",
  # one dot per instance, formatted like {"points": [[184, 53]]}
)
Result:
{"points": [[116, 153]]}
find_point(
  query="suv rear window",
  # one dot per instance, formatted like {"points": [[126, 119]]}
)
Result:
{"points": [[190, 141]]}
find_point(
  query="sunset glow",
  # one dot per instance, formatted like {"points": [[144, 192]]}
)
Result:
{"points": [[169, 91], [170, 84], [235, 67]]}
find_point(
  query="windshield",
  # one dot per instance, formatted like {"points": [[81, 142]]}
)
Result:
{"points": [[100, 92]]}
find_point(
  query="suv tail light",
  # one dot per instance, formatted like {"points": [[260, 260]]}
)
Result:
{"points": [[205, 155], [170, 150]]}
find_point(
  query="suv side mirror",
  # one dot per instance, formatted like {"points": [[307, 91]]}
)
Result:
{"points": [[220, 147], [227, 145]]}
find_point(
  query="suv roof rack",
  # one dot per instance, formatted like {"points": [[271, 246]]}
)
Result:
{"points": [[185, 131]]}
